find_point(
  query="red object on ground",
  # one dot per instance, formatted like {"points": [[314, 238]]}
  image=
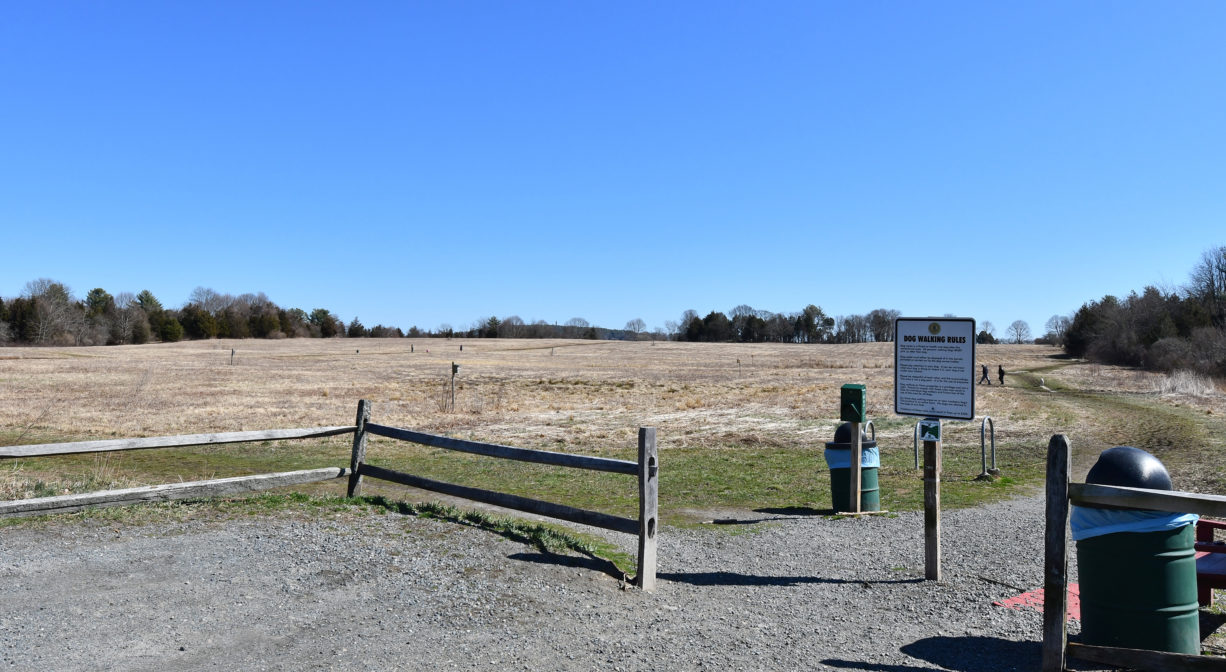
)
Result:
{"points": [[1034, 600]]}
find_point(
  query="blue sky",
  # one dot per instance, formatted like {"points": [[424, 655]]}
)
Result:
{"points": [[415, 163]]}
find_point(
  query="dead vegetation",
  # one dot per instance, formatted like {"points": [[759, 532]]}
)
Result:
{"points": [[506, 390], [589, 396]]}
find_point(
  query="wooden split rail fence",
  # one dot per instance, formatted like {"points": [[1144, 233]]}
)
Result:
{"points": [[646, 469], [1060, 493]]}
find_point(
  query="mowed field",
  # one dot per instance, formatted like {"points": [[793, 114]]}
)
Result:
{"points": [[739, 425]]}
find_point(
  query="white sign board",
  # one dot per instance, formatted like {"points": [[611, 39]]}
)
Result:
{"points": [[934, 367]]}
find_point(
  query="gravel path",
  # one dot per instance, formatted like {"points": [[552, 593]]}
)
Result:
{"points": [[358, 592]]}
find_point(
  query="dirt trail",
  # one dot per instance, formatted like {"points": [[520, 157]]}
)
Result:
{"points": [[1184, 439]]}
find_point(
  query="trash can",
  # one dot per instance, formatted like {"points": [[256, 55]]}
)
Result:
{"points": [[1137, 569], [838, 458]]}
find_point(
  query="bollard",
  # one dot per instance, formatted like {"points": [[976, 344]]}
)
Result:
{"points": [[987, 474]]}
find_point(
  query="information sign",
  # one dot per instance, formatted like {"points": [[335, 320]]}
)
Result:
{"points": [[934, 367]]}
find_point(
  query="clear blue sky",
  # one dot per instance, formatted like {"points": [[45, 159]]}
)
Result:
{"points": [[420, 163]]}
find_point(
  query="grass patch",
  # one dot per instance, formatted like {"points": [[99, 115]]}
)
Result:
{"points": [[694, 480], [743, 475]]}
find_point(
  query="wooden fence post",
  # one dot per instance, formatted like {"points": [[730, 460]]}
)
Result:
{"points": [[359, 449], [1055, 555], [649, 499]]}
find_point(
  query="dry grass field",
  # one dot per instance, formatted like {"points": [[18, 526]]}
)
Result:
{"points": [[573, 396]]}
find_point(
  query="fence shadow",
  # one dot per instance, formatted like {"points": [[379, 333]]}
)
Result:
{"points": [[960, 654], [776, 515], [588, 562], [796, 511], [739, 579]]}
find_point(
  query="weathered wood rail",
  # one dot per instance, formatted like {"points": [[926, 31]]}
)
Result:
{"points": [[646, 469], [179, 441], [171, 491], [1060, 493]]}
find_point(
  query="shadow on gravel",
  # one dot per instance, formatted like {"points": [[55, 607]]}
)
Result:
{"points": [[779, 514], [962, 654], [796, 511], [736, 579], [583, 562]]}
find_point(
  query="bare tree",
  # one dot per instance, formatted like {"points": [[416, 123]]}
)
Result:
{"points": [[209, 300], [511, 327], [881, 324], [1019, 331], [124, 317], [1208, 284], [636, 326], [1057, 328], [53, 305]]}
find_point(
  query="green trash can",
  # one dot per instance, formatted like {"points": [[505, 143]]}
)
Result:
{"points": [[838, 459], [1137, 569]]}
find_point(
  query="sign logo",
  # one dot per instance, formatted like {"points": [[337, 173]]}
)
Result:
{"points": [[934, 328], [930, 430]]}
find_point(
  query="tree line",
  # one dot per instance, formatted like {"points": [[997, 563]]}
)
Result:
{"points": [[1154, 329], [47, 313]]}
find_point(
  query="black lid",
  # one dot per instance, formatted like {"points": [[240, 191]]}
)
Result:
{"points": [[1129, 467], [842, 438]]}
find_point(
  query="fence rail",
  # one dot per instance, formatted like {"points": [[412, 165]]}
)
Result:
{"points": [[182, 440], [508, 452], [647, 470], [168, 492], [559, 511], [1060, 492]]}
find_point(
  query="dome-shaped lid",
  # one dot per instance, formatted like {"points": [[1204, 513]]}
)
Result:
{"points": [[842, 438], [1129, 467]]}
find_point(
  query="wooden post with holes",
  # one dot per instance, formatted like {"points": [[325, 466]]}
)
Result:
{"points": [[853, 491], [649, 499], [932, 510], [1055, 555], [359, 449]]}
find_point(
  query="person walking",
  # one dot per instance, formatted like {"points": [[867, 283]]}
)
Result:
{"points": [[1000, 373], [984, 378]]}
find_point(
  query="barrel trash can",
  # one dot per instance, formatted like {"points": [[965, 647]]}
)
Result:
{"points": [[838, 459], [1137, 569]]}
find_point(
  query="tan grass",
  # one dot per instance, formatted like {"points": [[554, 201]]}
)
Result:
{"points": [[523, 392]]}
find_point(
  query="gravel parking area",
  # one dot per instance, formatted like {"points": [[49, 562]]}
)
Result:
{"points": [[754, 591]]}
